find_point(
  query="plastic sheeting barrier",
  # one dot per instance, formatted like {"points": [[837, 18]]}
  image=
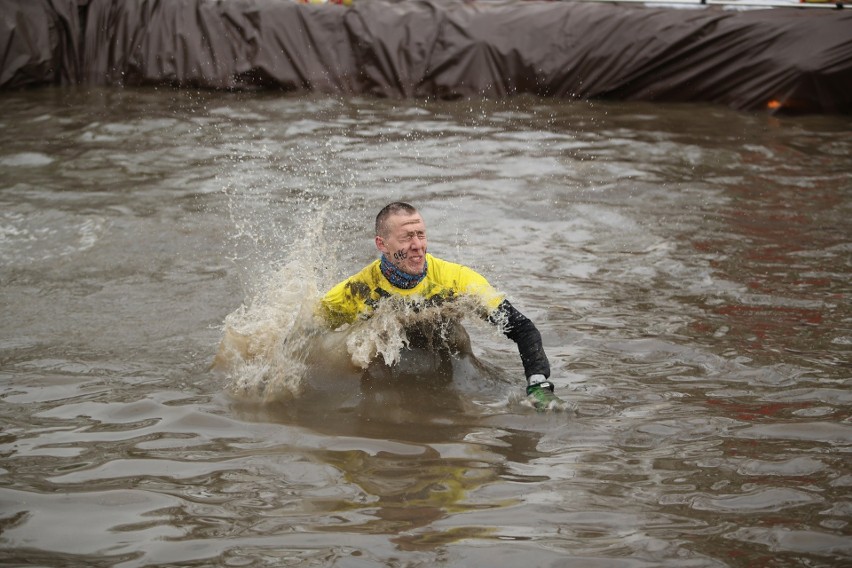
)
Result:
{"points": [[791, 59]]}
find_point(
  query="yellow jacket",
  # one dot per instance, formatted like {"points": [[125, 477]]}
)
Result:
{"points": [[358, 295]]}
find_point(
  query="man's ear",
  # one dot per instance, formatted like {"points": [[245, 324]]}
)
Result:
{"points": [[380, 244]]}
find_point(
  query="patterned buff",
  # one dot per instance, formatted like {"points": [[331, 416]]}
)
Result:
{"points": [[399, 278]]}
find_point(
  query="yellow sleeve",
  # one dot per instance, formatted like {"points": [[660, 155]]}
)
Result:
{"points": [[347, 300], [466, 281], [334, 307], [473, 283]]}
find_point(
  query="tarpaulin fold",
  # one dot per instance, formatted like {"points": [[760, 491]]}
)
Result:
{"points": [[432, 48], [39, 43]]}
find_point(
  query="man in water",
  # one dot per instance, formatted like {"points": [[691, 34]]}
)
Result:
{"points": [[406, 270]]}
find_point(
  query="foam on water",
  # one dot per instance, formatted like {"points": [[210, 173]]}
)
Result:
{"points": [[46, 235], [26, 160]]}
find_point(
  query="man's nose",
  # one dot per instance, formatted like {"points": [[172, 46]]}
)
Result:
{"points": [[418, 242]]}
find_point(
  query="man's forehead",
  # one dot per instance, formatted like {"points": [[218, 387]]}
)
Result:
{"points": [[404, 220]]}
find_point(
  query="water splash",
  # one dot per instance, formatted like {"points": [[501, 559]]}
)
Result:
{"points": [[276, 343], [274, 347], [387, 333], [266, 342]]}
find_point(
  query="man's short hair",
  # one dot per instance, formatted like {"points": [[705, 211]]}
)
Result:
{"points": [[387, 211]]}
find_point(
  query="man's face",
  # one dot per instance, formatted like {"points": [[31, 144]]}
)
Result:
{"points": [[405, 242]]}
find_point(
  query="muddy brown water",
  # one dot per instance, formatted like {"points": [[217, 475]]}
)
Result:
{"points": [[687, 265]]}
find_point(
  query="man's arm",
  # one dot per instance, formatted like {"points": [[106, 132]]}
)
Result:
{"points": [[343, 303], [524, 333]]}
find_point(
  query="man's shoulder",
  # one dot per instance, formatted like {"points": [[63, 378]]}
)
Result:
{"points": [[369, 268], [463, 279], [441, 266], [434, 260], [444, 269], [366, 275]]}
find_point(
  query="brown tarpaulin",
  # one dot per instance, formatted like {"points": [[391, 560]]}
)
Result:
{"points": [[431, 48]]}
